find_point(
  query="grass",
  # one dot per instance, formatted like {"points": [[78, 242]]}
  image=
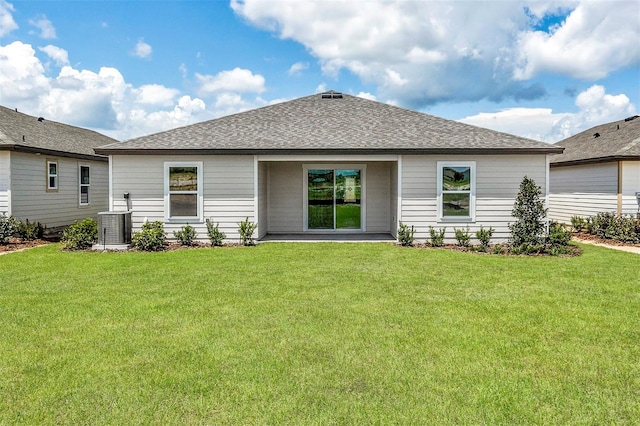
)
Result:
{"points": [[319, 334]]}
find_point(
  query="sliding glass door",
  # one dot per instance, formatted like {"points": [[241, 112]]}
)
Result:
{"points": [[334, 199]]}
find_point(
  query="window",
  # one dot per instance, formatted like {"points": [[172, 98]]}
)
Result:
{"points": [[456, 191], [52, 175], [85, 186], [183, 191]]}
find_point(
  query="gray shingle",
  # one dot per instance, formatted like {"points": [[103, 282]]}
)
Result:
{"points": [[316, 124], [616, 140], [24, 132]]}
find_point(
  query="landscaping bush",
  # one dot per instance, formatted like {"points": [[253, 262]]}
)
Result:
{"points": [[528, 232], [81, 235], [186, 235], [462, 237], [246, 228], [484, 236], [558, 235], [30, 230], [215, 235], [405, 235], [150, 238], [437, 237], [8, 228], [610, 226], [578, 223]]}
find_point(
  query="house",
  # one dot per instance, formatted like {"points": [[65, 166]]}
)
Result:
{"points": [[328, 165], [599, 171], [49, 172]]}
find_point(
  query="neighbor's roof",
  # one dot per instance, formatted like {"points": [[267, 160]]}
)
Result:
{"points": [[618, 140], [329, 123], [25, 133]]}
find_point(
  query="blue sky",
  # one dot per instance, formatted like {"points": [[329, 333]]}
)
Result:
{"points": [[544, 70]]}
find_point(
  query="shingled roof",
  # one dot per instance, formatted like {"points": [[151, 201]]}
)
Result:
{"points": [[25, 133], [618, 140], [329, 123]]}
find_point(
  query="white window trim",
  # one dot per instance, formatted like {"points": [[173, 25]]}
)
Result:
{"points": [[80, 185], [363, 195], [49, 176], [472, 201], [199, 192]]}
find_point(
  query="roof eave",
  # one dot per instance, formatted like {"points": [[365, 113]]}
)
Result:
{"points": [[364, 151], [597, 160], [52, 152]]}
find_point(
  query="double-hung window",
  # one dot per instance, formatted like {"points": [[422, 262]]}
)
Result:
{"points": [[85, 185], [456, 191], [52, 175], [183, 191]]}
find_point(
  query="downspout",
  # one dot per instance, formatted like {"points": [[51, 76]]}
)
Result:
{"points": [[399, 197], [619, 209], [546, 191]]}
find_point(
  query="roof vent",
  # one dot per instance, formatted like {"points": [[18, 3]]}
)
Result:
{"points": [[596, 135], [331, 95], [631, 118], [40, 119]]}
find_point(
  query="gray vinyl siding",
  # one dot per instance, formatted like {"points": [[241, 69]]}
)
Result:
{"points": [[285, 196], [630, 186], [228, 190], [583, 190], [31, 200], [497, 182], [262, 199], [5, 181]]}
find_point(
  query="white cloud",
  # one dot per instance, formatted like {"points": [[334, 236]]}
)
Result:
{"points": [[298, 67], [422, 53], [322, 87], [366, 95], [595, 39], [236, 80], [105, 102], [47, 31], [22, 76], [156, 94], [57, 54], [595, 107], [7, 24], [142, 49]]}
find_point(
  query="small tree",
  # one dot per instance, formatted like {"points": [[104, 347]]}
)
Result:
{"points": [[216, 236], [528, 232], [406, 235], [245, 229]]}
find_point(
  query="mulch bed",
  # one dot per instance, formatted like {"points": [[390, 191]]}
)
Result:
{"points": [[596, 239], [20, 244]]}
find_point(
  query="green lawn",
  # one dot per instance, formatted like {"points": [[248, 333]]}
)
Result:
{"points": [[319, 334]]}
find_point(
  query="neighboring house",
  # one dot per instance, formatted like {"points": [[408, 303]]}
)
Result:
{"points": [[327, 164], [49, 172], [599, 171]]}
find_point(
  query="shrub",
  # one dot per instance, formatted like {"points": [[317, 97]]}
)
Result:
{"points": [[405, 235], [150, 238], [498, 249], [30, 230], [186, 235], [484, 236], [529, 229], [462, 237], [215, 235], [437, 237], [528, 248], [81, 235], [578, 223], [8, 228], [246, 228], [558, 235]]}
